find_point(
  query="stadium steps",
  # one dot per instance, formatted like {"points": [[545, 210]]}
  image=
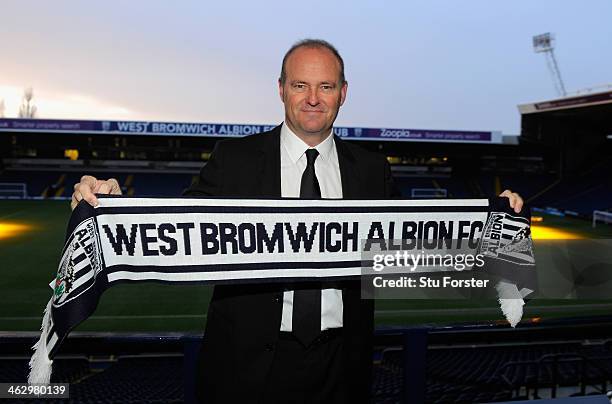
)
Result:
{"points": [[586, 195], [474, 187], [544, 190], [56, 189], [436, 184], [127, 187], [128, 180], [528, 186]]}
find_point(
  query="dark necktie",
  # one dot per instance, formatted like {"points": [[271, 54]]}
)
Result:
{"points": [[306, 323]]}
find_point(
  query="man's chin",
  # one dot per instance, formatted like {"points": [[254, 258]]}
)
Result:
{"points": [[311, 128], [315, 128]]}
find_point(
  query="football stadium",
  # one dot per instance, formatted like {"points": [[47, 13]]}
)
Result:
{"points": [[140, 344], [240, 243]]}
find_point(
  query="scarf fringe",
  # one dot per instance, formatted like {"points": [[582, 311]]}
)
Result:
{"points": [[40, 364], [511, 302]]}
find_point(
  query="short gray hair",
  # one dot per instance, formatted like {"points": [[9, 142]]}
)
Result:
{"points": [[312, 44]]}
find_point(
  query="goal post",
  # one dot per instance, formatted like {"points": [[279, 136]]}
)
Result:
{"points": [[13, 190]]}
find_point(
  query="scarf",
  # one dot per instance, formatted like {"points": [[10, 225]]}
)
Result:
{"points": [[193, 240]]}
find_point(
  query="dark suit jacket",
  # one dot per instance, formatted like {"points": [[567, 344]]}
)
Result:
{"points": [[243, 321]]}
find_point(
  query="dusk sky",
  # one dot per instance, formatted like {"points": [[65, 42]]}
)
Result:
{"points": [[437, 64]]}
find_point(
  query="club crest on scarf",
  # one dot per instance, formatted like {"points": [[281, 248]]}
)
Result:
{"points": [[508, 238], [79, 265]]}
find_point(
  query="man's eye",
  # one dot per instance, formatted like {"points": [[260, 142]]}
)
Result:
{"points": [[299, 86], [327, 87]]}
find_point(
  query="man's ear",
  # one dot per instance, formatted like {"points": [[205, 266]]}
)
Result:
{"points": [[281, 90], [343, 92]]}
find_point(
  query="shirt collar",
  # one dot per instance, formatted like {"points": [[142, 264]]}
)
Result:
{"points": [[296, 147]]}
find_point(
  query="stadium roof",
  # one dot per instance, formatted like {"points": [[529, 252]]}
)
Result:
{"points": [[589, 113]]}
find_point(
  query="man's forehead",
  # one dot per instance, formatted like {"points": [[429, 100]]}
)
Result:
{"points": [[309, 60]]}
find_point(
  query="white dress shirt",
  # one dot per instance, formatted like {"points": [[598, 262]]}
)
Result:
{"points": [[327, 169]]}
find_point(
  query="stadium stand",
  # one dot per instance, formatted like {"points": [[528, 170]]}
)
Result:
{"points": [[589, 191], [458, 371], [159, 379], [36, 182], [50, 185], [160, 184], [464, 364], [551, 166], [108, 370]]}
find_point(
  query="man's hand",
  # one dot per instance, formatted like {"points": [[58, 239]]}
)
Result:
{"points": [[91, 185], [516, 202]]}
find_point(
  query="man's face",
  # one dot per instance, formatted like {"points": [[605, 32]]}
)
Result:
{"points": [[312, 92]]}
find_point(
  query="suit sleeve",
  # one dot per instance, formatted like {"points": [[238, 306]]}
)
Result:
{"points": [[210, 180]]}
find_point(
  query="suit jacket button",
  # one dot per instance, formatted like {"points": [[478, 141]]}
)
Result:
{"points": [[270, 347], [277, 299]]}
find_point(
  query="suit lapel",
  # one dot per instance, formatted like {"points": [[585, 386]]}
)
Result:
{"points": [[351, 185]]}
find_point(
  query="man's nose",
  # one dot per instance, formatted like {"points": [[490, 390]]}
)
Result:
{"points": [[313, 97]]}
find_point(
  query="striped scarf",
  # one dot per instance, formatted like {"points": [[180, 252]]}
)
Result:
{"points": [[282, 240]]}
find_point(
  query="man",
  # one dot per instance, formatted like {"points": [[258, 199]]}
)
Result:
{"points": [[289, 343]]}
